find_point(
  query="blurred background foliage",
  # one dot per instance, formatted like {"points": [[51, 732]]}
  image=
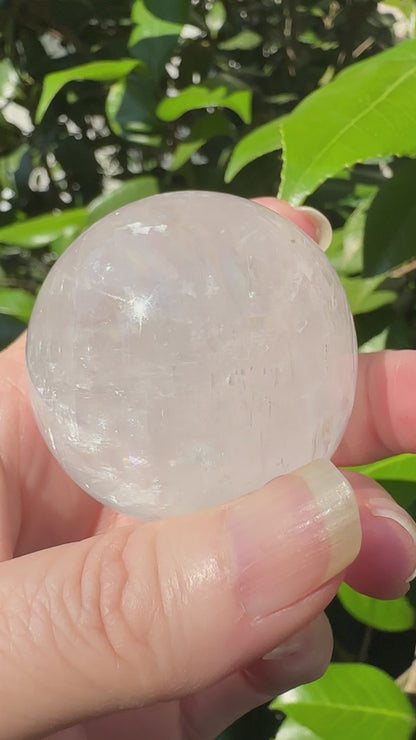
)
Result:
{"points": [[103, 102]]}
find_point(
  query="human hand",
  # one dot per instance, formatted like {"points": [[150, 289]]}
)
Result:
{"points": [[101, 615]]}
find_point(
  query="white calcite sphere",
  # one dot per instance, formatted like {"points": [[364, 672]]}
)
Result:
{"points": [[188, 348]]}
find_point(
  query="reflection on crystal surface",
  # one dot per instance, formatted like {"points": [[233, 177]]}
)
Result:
{"points": [[187, 349]]}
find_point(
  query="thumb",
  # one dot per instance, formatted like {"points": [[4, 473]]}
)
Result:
{"points": [[152, 612]]}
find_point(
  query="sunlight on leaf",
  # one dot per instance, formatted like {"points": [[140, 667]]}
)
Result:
{"points": [[399, 467], [127, 192], [351, 701], [387, 616], [203, 96], [243, 41], [367, 111], [102, 71], [42, 230], [291, 730], [215, 18], [363, 295], [17, 303]]}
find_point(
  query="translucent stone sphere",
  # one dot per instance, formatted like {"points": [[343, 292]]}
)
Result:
{"points": [[188, 348]]}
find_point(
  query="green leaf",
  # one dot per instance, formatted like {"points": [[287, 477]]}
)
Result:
{"points": [[185, 150], [196, 97], [389, 238], [312, 39], [399, 467], [243, 41], [61, 244], [163, 16], [363, 295], [215, 18], [127, 192], [386, 616], [17, 303], [351, 701], [362, 114], [398, 476], [345, 250], [383, 329], [102, 71], [351, 260], [291, 730], [205, 128], [42, 230], [156, 31], [376, 344], [130, 109], [20, 158], [262, 141]]}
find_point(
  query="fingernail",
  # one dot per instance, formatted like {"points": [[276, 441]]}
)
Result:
{"points": [[381, 508], [322, 225], [292, 536]]}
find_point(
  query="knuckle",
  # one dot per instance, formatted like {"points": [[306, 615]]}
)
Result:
{"points": [[153, 606], [130, 592], [102, 584]]}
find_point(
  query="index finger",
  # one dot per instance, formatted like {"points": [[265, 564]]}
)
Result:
{"points": [[383, 421]]}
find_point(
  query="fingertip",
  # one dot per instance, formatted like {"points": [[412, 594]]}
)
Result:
{"points": [[387, 559], [302, 219], [382, 568], [303, 525], [323, 226]]}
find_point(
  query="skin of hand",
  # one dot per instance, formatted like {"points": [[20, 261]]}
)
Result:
{"points": [[110, 628]]}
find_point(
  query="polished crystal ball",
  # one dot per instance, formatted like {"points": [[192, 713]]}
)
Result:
{"points": [[188, 348]]}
